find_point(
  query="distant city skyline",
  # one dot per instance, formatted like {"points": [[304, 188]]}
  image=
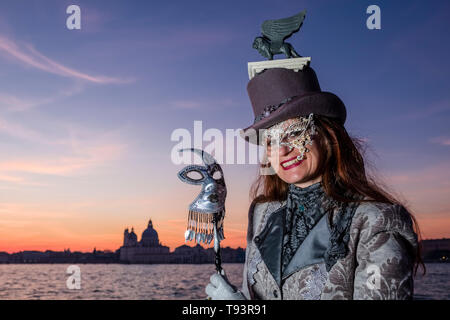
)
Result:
{"points": [[86, 115]]}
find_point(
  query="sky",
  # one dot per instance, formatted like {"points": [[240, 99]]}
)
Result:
{"points": [[87, 116]]}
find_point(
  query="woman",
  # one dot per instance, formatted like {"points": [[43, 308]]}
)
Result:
{"points": [[319, 227]]}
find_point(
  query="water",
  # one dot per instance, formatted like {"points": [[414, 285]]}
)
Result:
{"points": [[136, 282], [111, 281], [435, 285]]}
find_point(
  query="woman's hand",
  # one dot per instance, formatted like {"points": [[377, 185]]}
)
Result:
{"points": [[221, 289]]}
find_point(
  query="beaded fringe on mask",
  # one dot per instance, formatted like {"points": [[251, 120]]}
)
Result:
{"points": [[200, 226]]}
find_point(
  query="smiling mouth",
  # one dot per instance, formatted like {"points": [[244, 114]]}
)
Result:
{"points": [[290, 163]]}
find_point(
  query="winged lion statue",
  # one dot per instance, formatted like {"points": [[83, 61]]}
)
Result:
{"points": [[274, 32]]}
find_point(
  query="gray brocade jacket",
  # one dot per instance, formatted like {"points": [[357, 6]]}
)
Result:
{"points": [[378, 265]]}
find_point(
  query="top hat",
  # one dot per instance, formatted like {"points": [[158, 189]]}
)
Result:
{"points": [[278, 94]]}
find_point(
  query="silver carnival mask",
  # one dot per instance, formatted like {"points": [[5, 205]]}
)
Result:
{"points": [[207, 210], [293, 133]]}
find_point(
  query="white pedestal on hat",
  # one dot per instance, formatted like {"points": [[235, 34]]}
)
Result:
{"points": [[295, 64]]}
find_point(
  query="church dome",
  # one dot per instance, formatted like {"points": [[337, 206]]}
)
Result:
{"points": [[150, 236]]}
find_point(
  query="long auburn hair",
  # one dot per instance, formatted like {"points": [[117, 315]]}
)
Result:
{"points": [[343, 169]]}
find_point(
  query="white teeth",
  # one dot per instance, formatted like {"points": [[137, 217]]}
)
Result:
{"points": [[289, 163]]}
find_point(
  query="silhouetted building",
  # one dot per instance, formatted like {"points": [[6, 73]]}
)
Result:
{"points": [[4, 257], [65, 256], [148, 250], [436, 250], [187, 254]]}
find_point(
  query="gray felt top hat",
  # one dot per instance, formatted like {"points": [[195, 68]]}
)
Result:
{"points": [[285, 88], [279, 94]]}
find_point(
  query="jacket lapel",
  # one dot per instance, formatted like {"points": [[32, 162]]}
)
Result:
{"points": [[312, 249], [270, 242]]}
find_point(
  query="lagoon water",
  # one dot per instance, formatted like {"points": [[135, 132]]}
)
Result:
{"points": [[136, 282]]}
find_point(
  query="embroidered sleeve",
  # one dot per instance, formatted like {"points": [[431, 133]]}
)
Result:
{"points": [[245, 289], [251, 253], [248, 252], [258, 215], [385, 255]]}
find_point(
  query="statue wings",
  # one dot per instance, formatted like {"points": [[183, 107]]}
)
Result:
{"points": [[280, 29]]}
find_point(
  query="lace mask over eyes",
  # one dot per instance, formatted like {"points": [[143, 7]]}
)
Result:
{"points": [[293, 133]]}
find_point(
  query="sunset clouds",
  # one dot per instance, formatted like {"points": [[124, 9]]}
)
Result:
{"points": [[73, 154], [28, 56]]}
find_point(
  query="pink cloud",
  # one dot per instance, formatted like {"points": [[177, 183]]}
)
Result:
{"points": [[18, 104], [9, 178], [29, 56], [81, 151], [65, 165], [428, 110], [444, 141], [21, 132], [426, 192]]}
